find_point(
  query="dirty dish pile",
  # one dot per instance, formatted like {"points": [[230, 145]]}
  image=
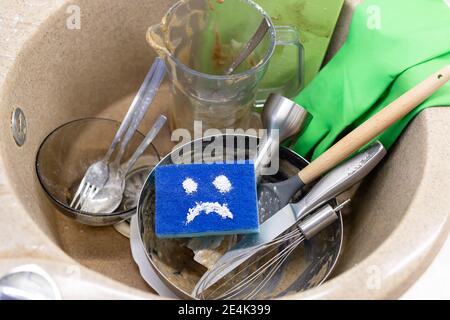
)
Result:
{"points": [[277, 229], [294, 215], [287, 232]]}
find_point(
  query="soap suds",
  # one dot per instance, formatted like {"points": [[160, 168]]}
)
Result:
{"points": [[190, 186], [208, 207], [222, 184]]}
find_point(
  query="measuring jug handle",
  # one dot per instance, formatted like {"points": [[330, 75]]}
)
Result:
{"points": [[285, 36]]}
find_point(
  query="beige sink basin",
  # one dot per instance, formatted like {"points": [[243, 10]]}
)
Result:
{"points": [[399, 216]]}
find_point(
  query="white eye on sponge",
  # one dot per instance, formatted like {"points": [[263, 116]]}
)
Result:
{"points": [[222, 184], [190, 186]]}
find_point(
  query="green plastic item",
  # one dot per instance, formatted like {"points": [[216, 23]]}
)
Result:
{"points": [[315, 20], [391, 47]]}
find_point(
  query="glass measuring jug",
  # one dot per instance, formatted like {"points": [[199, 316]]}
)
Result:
{"points": [[199, 39]]}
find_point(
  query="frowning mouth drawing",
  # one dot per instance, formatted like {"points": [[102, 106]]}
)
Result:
{"points": [[222, 185]]}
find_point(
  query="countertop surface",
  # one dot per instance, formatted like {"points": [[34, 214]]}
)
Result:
{"points": [[435, 281]]}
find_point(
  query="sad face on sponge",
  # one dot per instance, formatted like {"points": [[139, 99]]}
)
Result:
{"points": [[205, 199]]}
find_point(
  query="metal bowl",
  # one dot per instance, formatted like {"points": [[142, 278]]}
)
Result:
{"points": [[308, 266]]}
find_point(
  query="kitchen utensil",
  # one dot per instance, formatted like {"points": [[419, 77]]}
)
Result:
{"points": [[110, 196], [331, 185], [66, 153], [286, 79], [356, 89], [133, 186], [248, 282], [282, 118], [276, 196], [28, 282], [198, 45], [98, 173], [171, 260], [250, 46]]}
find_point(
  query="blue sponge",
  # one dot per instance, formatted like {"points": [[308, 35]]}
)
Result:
{"points": [[206, 199]]}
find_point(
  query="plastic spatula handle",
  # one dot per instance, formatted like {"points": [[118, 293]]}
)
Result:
{"points": [[143, 99], [128, 118], [151, 135], [374, 126]]}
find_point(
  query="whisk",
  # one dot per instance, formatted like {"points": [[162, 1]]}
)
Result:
{"points": [[302, 216], [242, 285]]}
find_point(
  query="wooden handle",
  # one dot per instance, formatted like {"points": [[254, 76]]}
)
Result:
{"points": [[374, 126]]}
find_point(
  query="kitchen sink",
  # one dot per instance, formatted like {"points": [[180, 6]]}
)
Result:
{"points": [[54, 73]]}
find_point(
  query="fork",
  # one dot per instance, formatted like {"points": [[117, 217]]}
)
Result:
{"points": [[110, 196], [98, 173]]}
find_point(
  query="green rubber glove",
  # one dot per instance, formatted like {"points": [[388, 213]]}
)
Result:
{"points": [[381, 59]]}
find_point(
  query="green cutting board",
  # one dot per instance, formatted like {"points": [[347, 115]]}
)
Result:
{"points": [[315, 19]]}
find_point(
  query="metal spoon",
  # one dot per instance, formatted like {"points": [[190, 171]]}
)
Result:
{"points": [[110, 197], [250, 46]]}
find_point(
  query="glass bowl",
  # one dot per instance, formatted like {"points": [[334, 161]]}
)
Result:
{"points": [[68, 151]]}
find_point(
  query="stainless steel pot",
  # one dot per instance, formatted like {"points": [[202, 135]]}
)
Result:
{"points": [[309, 265]]}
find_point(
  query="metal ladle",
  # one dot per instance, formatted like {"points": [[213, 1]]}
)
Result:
{"points": [[282, 118]]}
